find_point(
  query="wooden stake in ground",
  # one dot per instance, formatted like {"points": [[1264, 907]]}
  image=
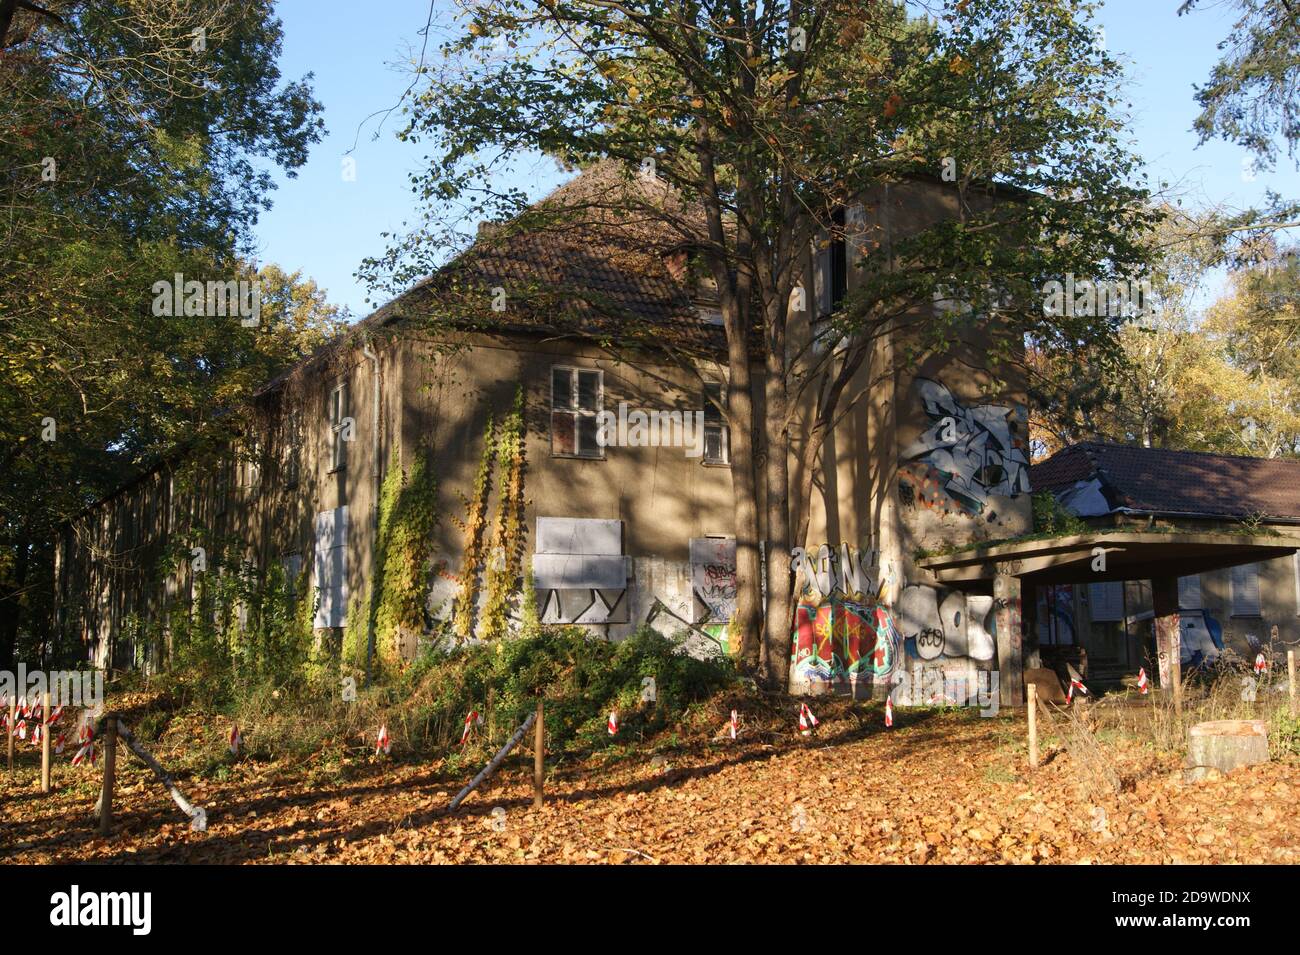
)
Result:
{"points": [[1290, 677], [1032, 689], [45, 742], [110, 767], [491, 767], [539, 755]]}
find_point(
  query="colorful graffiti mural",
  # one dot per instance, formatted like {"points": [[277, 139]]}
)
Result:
{"points": [[843, 629], [967, 458], [837, 639]]}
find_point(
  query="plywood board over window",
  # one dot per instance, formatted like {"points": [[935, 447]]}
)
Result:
{"points": [[579, 570], [1245, 590], [331, 567]]}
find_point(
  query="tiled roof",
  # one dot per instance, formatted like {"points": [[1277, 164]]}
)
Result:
{"points": [[1161, 481]]}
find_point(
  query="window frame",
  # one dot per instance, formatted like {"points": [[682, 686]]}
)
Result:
{"points": [[721, 425], [338, 449], [575, 412]]}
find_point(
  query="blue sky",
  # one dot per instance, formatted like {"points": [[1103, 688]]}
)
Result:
{"points": [[325, 225]]}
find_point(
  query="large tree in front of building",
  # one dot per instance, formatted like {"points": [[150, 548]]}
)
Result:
{"points": [[136, 142], [763, 122]]}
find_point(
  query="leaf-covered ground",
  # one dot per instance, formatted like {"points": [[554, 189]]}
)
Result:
{"points": [[940, 787]]}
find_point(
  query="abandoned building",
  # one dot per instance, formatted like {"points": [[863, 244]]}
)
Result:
{"points": [[1239, 609], [900, 570]]}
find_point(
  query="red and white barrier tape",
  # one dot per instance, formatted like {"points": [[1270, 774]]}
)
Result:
{"points": [[735, 724], [470, 722], [1144, 685], [611, 724], [807, 722], [382, 743], [889, 712]]}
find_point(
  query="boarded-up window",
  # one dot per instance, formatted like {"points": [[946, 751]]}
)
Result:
{"points": [[1245, 590], [577, 396], [1189, 592], [1106, 601], [331, 567]]}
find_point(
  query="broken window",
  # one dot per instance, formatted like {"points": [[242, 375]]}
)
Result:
{"points": [[1189, 592], [717, 437], [577, 396]]}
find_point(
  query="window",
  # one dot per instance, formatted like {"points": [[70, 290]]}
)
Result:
{"points": [[1106, 602], [221, 487], [831, 266], [1245, 590], [577, 395], [1189, 592], [717, 437], [340, 426], [249, 467], [292, 442]]}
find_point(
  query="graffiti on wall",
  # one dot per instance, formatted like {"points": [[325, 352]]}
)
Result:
{"points": [[843, 628], [713, 577], [966, 458]]}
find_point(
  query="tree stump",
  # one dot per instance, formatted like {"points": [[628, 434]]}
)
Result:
{"points": [[1220, 746]]}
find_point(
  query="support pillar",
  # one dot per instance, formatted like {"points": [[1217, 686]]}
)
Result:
{"points": [[1169, 638], [1011, 665]]}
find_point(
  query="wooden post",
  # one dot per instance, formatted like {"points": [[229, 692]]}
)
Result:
{"points": [[1290, 677], [13, 719], [45, 742], [1032, 689], [539, 753], [110, 758], [1169, 643], [1011, 670]]}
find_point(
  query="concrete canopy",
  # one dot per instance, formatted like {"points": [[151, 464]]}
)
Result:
{"points": [[1130, 555]]}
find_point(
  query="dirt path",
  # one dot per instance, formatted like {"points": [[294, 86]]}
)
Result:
{"points": [[943, 788]]}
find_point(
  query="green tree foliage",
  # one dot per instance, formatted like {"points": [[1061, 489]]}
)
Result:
{"points": [[137, 141]]}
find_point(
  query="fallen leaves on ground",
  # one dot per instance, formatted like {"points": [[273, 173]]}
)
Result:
{"points": [[940, 787]]}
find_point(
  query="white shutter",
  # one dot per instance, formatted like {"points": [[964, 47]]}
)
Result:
{"points": [[1245, 590], [1295, 563], [1189, 592], [1106, 601], [331, 567]]}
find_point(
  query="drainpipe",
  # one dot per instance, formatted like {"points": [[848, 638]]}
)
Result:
{"points": [[369, 352]]}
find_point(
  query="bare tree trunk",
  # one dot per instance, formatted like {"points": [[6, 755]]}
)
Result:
{"points": [[740, 409], [777, 620]]}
